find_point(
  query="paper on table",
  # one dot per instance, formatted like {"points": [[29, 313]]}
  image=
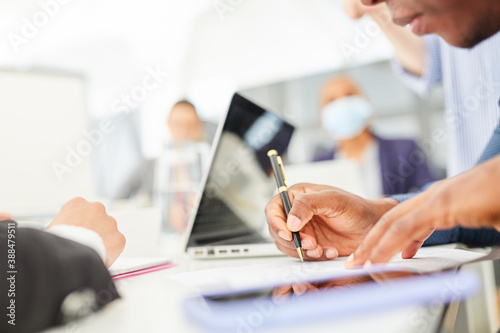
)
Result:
{"points": [[127, 265], [427, 260]]}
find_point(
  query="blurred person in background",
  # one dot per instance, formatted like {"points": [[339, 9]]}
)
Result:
{"points": [[181, 165], [184, 124], [388, 166]]}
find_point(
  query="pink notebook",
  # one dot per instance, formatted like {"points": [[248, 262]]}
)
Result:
{"points": [[129, 267]]}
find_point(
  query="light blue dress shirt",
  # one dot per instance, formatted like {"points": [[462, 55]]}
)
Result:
{"points": [[471, 79]]}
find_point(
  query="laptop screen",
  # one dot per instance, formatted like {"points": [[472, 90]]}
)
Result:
{"points": [[240, 181]]}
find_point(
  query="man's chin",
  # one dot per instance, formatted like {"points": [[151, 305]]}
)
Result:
{"points": [[465, 41]]}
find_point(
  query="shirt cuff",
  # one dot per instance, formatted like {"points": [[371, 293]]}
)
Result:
{"points": [[81, 235], [403, 197], [407, 196]]}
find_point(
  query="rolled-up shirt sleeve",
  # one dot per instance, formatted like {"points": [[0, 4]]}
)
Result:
{"points": [[432, 74], [81, 235]]}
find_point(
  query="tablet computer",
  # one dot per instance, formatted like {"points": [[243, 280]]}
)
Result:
{"points": [[337, 297]]}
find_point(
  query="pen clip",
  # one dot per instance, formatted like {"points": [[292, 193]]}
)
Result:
{"points": [[280, 163]]}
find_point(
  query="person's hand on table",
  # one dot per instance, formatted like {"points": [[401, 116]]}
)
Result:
{"points": [[92, 215], [331, 221], [4, 216], [470, 200]]}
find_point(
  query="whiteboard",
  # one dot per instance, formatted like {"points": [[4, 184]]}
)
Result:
{"points": [[42, 117]]}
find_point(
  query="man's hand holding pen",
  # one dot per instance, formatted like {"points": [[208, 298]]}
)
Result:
{"points": [[331, 222], [279, 176]]}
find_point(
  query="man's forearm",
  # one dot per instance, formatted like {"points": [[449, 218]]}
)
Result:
{"points": [[408, 48]]}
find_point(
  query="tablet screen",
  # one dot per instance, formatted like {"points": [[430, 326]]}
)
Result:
{"points": [[289, 292]]}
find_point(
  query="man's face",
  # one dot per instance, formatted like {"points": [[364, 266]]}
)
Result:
{"points": [[184, 123], [462, 23]]}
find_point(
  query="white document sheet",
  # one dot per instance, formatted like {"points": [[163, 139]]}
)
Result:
{"points": [[287, 270], [127, 265]]}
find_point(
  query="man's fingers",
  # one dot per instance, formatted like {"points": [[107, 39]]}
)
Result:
{"points": [[410, 250], [308, 242], [286, 250], [306, 205], [315, 253], [330, 252], [293, 252], [302, 211], [404, 233], [364, 251], [276, 219]]}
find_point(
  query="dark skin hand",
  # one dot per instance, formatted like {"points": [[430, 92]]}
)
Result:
{"points": [[331, 221], [470, 200]]}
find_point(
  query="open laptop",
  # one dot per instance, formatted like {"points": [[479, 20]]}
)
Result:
{"points": [[230, 219]]}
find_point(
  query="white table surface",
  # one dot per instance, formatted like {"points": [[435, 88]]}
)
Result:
{"points": [[152, 303]]}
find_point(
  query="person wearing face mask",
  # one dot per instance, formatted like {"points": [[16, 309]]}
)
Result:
{"points": [[389, 166]]}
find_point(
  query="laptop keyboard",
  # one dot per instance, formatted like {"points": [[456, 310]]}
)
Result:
{"points": [[216, 216], [216, 223]]}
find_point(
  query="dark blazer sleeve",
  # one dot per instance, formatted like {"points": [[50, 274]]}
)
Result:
{"points": [[47, 269]]}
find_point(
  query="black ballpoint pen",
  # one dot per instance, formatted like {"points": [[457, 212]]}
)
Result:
{"points": [[279, 175]]}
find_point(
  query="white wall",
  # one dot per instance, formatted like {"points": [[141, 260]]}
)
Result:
{"points": [[44, 142], [208, 54]]}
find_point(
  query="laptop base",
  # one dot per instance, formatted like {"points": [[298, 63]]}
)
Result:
{"points": [[234, 251]]}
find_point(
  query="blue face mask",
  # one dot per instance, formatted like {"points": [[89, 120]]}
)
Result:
{"points": [[347, 117]]}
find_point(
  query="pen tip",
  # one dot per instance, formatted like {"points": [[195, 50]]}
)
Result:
{"points": [[301, 254]]}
